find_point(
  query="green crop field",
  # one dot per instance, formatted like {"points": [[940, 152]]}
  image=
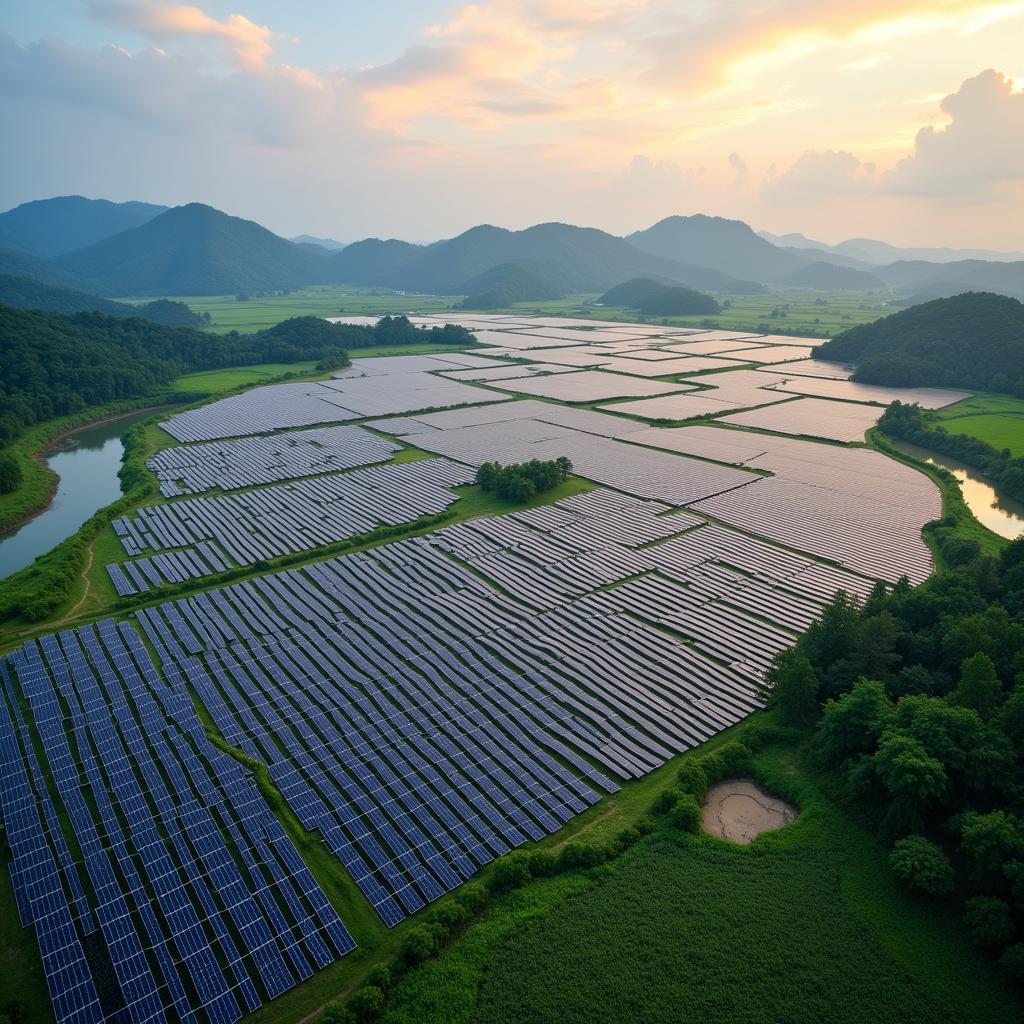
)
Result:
{"points": [[995, 419], [261, 311], [805, 925], [810, 313], [215, 382]]}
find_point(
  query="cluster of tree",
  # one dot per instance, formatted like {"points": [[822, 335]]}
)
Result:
{"points": [[913, 424], [522, 480], [53, 365], [973, 340], [917, 698]]}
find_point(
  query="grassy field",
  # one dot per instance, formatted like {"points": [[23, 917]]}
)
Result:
{"points": [[817, 314], [995, 419], [804, 925], [258, 312], [215, 382]]}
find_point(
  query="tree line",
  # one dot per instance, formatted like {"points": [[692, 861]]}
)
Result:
{"points": [[916, 698], [53, 365], [913, 424]]}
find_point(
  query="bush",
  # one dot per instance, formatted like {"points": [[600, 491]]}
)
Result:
{"points": [[379, 977], [511, 871], [625, 838], [582, 855], [473, 896], [419, 944], [1012, 961], [922, 866], [731, 759], [693, 779], [10, 473], [366, 1004], [666, 799], [988, 921], [686, 815], [543, 863], [335, 1013], [447, 916]]}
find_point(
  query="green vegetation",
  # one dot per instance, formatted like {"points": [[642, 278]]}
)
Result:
{"points": [[805, 924], [924, 722], [658, 298], [25, 293], [509, 283], [911, 423], [231, 378], [996, 419], [523, 480], [974, 340]]}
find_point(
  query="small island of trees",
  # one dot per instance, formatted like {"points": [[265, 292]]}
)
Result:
{"points": [[521, 481]]}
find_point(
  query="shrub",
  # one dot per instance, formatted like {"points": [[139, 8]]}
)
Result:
{"points": [[582, 855], [693, 779], [733, 758], [645, 825], [366, 1004], [1012, 961], [473, 896], [335, 1013], [419, 944], [988, 921], [686, 814], [543, 863], [10, 473], [447, 916], [511, 871], [922, 866], [379, 977], [625, 838]]}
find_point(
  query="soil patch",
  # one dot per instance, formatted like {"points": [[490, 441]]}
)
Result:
{"points": [[739, 810]]}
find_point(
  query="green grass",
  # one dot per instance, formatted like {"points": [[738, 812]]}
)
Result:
{"points": [[996, 419], [215, 382], [260, 312], [804, 925]]}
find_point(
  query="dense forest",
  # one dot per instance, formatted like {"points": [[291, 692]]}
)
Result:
{"points": [[974, 340], [52, 365], [917, 699], [27, 293], [913, 424]]}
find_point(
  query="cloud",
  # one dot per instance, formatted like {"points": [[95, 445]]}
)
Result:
{"points": [[159, 22], [814, 176], [972, 157]]}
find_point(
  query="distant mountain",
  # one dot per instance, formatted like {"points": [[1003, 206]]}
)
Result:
{"points": [[837, 259], [586, 259], [825, 276], [924, 277], [974, 340], [195, 250], [50, 227], [330, 244], [870, 250], [629, 293], [18, 263], [509, 283], [674, 301], [24, 293], [729, 246]]}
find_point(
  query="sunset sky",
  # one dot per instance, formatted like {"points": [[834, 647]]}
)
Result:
{"points": [[900, 120]]}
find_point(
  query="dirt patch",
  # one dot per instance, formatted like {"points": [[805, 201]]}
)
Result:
{"points": [[739, 810]]}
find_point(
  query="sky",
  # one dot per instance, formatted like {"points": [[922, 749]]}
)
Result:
{"points": [[901, 120]]}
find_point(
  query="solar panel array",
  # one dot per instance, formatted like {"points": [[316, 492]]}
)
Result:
{"points": [[181, 898], [229, 465], [839, 421], [285, 518], [143, 574]]}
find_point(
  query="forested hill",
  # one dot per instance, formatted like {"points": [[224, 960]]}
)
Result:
{"points": [[26, 293], [974, 340], [51, 365]]}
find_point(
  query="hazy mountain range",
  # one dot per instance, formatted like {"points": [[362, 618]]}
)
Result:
{"points": [[138, 249]]}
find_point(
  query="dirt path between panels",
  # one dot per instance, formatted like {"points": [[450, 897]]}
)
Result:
{"points": [[739, 810]]}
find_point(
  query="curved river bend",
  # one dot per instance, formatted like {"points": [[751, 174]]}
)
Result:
{"points": [[1001, 515], [87, 461]]}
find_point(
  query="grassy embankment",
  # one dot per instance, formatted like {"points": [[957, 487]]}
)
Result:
{"points": [[806, 924], [996, 419]]}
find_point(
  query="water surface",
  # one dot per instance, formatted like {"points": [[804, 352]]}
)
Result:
{"points": [[87, 462], [1000, 514]]}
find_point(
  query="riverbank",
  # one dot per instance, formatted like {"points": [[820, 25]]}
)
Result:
{"points": [[39, 482]]}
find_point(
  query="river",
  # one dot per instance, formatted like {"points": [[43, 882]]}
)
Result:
{"points": [[1001, 515], [86, 461]]}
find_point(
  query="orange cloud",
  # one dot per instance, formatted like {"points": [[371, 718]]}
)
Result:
{"points": [[249, 41]]}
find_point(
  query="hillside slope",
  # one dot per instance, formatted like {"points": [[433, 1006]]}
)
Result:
{"points": [[974, 340], [194, 250], [51, 227]]}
